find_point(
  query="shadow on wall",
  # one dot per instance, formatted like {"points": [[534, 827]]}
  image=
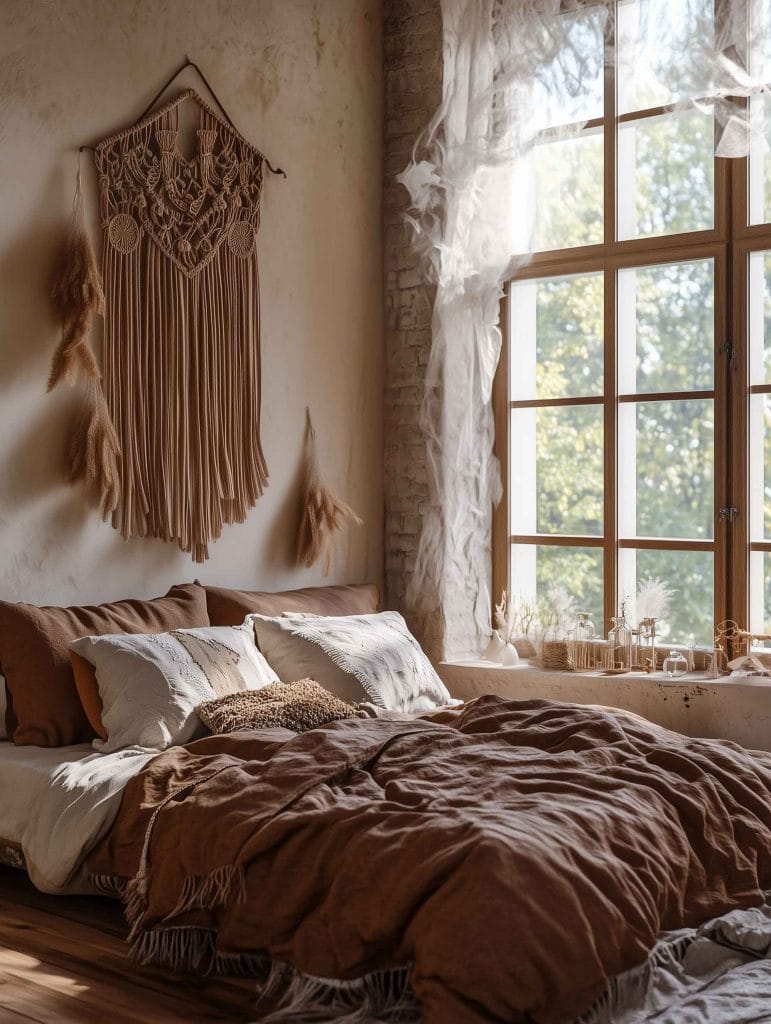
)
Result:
{"points": [[29, 327], [280, 547], [33, 464]]}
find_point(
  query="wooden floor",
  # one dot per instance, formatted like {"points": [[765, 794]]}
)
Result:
{"points": [[63, 961]]}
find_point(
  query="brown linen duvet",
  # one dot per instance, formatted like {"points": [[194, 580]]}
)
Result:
{"points": [[512, 855]]}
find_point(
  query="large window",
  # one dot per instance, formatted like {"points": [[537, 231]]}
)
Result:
{"points": [[634, 398]]}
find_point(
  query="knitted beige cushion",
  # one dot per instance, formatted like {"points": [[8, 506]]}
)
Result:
{"points": [[298, 706]]}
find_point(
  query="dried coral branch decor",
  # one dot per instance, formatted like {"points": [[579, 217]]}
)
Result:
{"points": [[181, 353], [322, 512]]}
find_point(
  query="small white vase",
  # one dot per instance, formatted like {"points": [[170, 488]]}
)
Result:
{"points": [[500, 652]]}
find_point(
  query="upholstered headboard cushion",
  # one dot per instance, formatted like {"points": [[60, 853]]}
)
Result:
{"points": [[43, 704], [230, 607]]}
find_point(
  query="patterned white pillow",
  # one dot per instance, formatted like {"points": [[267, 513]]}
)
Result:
{"points": [[151, 683], [356, 657]]}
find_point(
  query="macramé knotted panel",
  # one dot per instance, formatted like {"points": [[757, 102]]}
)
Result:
{"points": [[181, 354]]}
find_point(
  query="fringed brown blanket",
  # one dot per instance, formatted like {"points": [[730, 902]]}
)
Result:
{"points": [[513, 856]]}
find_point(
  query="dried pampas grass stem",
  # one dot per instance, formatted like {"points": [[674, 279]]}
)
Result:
{"points": [[77, 295], [322, 514], [94, 448], [94, 451]]}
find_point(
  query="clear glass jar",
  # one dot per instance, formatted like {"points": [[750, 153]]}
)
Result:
{"points": [[584, 627], [620, 644], [675, 664]]}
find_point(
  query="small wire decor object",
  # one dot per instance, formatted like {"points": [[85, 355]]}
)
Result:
{"points": [[736, 648]]}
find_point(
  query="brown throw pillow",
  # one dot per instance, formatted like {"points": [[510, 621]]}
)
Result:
{"points": [[43, 704], [88, 691], [297, 706], [230, 607]]}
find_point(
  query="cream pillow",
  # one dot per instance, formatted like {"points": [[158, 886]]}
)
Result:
{"points": [[356, 657], [150, 684]]}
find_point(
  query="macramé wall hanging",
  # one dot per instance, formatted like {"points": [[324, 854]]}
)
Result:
{"points": [[169, 437]]}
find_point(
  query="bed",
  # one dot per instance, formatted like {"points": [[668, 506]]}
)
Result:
{"points": [[498, 861]]}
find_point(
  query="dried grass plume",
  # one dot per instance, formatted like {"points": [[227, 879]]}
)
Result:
{"points": [[322, 512], [77, 295]]}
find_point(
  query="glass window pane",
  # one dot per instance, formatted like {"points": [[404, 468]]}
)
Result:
{"points": [[760, 467], [759, 14], [690, 574], [536, 570], [556, 481], [560, 193], [556, 337], [759, 314], [666, 174], [760, 594], [659, 43], [666, 469], [759, 163], [569, 88], [666, 328]]}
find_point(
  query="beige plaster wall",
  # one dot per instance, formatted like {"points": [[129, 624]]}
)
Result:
{"points": [[302, 79]]}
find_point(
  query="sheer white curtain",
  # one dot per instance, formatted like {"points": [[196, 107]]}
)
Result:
{"points": [[513, 68]]}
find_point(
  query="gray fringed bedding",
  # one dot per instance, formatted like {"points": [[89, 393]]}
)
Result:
{"points": [[719, 973]]}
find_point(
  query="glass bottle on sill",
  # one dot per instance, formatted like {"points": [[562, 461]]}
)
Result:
{"points": [[620, 644], [584, 627], [648, 634]]}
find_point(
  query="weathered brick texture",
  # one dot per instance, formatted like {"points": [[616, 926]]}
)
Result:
{"points": [[412, 33]]}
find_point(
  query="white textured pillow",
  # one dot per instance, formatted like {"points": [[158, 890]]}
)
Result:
{"points": [[151, 683], [3, 705], [356, 657]]}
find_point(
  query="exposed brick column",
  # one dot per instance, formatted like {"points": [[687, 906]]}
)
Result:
{"points": [[412, 43]]}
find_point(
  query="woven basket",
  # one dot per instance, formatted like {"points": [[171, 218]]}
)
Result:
{"points": [[554, 655]]}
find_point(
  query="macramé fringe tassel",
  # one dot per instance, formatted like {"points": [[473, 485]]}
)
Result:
{"points": [[323, 512]]}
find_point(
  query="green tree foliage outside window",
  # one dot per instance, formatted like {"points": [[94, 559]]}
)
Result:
{"points": [[674, 352]]}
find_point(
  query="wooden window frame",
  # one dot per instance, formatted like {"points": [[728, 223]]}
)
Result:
{"points": [[729, 243]]}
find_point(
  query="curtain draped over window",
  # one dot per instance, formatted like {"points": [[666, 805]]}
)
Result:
{"points": [[514, 69]]}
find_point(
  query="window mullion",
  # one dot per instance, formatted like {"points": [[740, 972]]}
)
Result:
{"points": [[610, 511]]}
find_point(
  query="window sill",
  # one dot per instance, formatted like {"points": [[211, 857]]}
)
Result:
{"points": [[725, 708], [530, 671]]}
